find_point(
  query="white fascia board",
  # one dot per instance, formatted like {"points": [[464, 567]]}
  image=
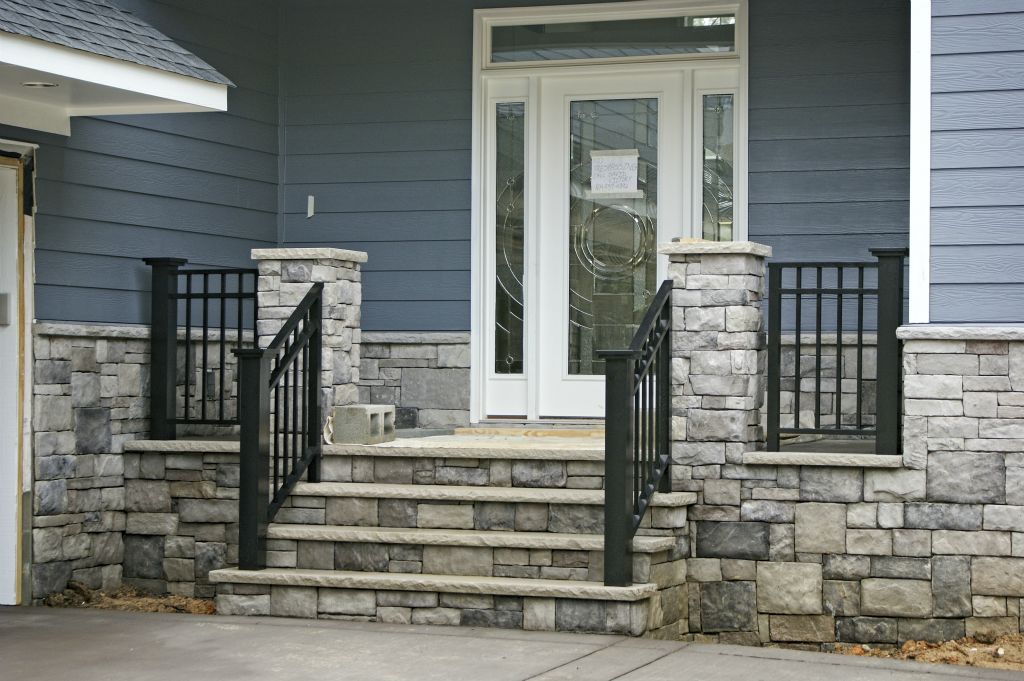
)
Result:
{"points": [[34, 116], [920, 159], [29, 53]]}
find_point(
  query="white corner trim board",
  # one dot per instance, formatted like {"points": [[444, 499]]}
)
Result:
{"points": [[920, 159]]}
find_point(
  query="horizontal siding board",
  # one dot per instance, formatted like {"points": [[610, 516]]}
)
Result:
{"points": [[131, 241], [441, 225], [404, 76], [978, 149], [978, 33], [830, 154], [837, 186], [441, 105], [888, 87], [111, 172], [387, 256], [960, 264], [379, 137], [981, 225], [976, 303], [409, 315], [209, 127], [60, 268], [416, 285], [360, 197], [978, 187], [977, 110], [851, 217], [976, 72], [943, 8], [828, 122], [68, 304], [378, 167], [830, 247]]}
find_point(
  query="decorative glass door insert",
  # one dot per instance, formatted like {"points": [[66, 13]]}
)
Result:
{"points": [[613, 218]]}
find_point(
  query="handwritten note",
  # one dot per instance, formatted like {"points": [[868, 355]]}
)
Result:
{"points": [[613, 171]]}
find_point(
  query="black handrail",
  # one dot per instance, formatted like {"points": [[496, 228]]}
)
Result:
{"points": [[224, 300], [638, 395], [849, 287], [279, 408]]}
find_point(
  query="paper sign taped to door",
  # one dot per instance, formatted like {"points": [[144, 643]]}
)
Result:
{"points": [[613, 171]]}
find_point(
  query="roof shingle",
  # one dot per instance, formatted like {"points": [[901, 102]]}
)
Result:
{"points": [[99, 27]]}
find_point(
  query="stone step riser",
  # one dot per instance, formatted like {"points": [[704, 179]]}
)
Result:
{"points": [[467, 515], [477, 561], [427, 607], [441, 470]]}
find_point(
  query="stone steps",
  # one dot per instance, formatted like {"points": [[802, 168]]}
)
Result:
{"points": [[527, 555], [532, 604]]}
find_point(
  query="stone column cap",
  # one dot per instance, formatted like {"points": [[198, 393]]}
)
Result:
{"points": [[308, 254], [950, 332], [704, 247]]}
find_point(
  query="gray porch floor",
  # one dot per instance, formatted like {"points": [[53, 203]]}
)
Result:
{"points": [[90, 645]]}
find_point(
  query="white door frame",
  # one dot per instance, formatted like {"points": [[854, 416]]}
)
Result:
{"points": [[521, 82], [15, 430]]}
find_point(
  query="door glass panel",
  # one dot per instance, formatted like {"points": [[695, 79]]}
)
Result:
{"points": [[508, 230], [613, 180], [614, 39], [718, 167]]}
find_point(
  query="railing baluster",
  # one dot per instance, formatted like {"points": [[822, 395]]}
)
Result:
{"points": [[860, 347], [817, 354], [223, 343], [206, 337], [839, 347], [775, 273], [799, 349], [188, 345]]}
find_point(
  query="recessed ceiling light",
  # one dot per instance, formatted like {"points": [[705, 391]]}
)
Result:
{"points": [[38, 83]]}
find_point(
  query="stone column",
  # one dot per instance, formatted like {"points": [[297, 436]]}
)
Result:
{"points": [[286, 275], [718, 355]]}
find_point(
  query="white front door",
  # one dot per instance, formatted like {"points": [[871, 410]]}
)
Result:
{"points": [[590, 152], [607, 166], [10, 381]]}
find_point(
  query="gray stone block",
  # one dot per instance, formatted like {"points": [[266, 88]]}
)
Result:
{"points": [[896, 597], [210, 556], [531, 518], [461, 475], [316, 555], [722, 492], [867, 629], [48, 578], [572, 518], [538, 474], [293, 601], [361, 557], [492, 515], [351, 511], [743, 540], [901, 568], [147, 496], [831, 484], [943, 516], [846, 567], [437, 616], [494, 619], [934, 630], [911, 543], [92, 430], [208, 510], [347, 602], [228, 604], [802, 628], [143, 556], [435, 388], [820, 528], [789, 588], [51, 497], [841, 598], [767, 511], [454, 516], [967, 478], [397, 512], [997, 576], [728, 606], [457, 560]]}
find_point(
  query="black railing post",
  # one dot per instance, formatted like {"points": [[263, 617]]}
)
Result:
{"points": [[254, 457], [775, 357], [315, 426], [889, 362], [664, 400], [618, 468], [163, 340]]}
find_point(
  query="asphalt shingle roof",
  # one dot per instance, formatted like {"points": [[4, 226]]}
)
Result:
{"points": [[97, 26]]}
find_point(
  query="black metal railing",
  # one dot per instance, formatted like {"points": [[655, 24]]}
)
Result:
{"points": [[637, 446], [279, 408], [218, 308], [836, 308]]}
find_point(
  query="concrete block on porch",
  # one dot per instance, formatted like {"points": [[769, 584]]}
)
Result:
{"points": [[364, 424]]}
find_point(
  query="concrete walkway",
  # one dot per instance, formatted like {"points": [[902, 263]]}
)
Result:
{"points": [[88, 645]]}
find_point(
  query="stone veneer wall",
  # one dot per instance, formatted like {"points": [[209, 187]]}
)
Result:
{"points": [[181, 515], [807, 551], [91, 398], [425, 375]]}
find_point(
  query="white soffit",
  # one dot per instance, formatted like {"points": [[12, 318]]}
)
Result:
{"points": [[90, 85]]}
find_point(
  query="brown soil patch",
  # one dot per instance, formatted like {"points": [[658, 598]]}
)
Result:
{"points": [[128, 600], [1005, 652]]}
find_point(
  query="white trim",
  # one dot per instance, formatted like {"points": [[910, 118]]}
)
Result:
{"points": [[920, 159], [22, 113], [521, 82]]}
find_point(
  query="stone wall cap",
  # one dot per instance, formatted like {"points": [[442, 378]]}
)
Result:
{"points": [[965, 332], [408, 337], [704, 247], [308, 254], [832, 459]]}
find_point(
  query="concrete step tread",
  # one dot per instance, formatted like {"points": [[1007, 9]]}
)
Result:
{"points": [[396, 581], [479, 447], [526, 495], [441, 537]]}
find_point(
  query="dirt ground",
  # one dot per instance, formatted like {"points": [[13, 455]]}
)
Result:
{"points": [[1005, 652], [128, 600]]}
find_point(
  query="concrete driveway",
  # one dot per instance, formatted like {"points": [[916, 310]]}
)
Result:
{"points": [[90, 645]]}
